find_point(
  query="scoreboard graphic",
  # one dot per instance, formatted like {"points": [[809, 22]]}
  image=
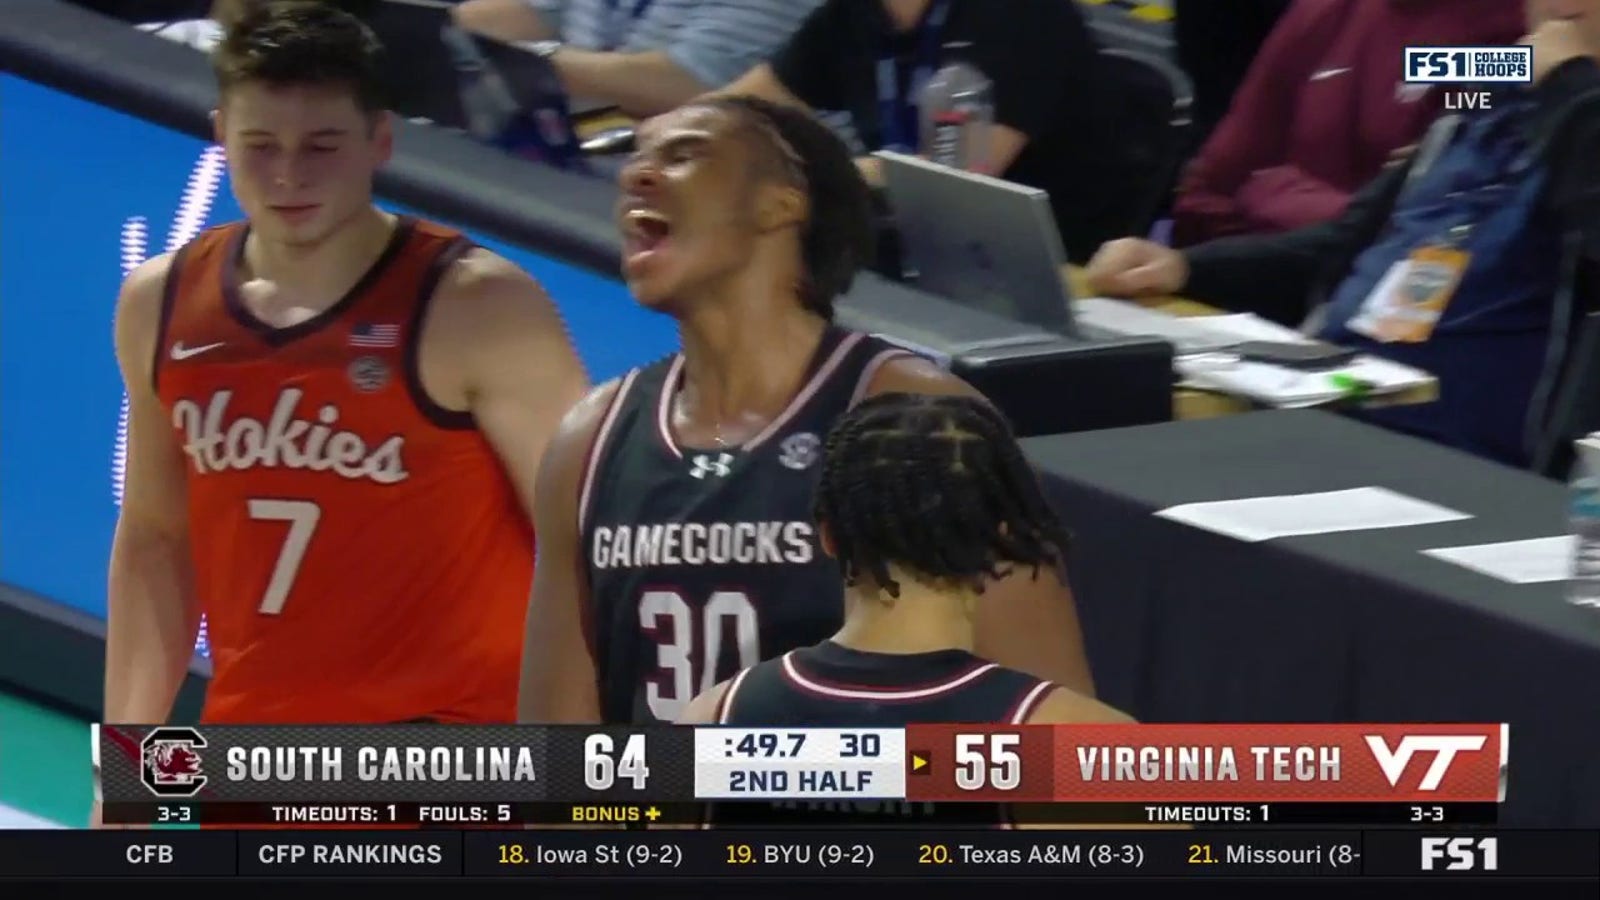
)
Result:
{"points": [[452, 776], [1387, 804]]}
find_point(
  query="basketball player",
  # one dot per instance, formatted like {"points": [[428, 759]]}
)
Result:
{"points": [[336, 417], [676, 537], [924, 503]]}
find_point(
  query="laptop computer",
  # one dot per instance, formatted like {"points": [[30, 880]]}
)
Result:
{"points": [[980, 241], [992, 244]]}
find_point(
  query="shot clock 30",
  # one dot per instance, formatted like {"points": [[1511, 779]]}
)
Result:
{"points": [[811, 763]]}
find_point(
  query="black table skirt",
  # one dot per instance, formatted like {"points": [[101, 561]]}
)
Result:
{"points": [[1184, 625]]}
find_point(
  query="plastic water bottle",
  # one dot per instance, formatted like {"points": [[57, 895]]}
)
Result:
{"points": [[1583, 588], [492, 112], [957, 106]]}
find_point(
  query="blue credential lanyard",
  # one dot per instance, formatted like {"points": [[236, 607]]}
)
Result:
{"points": [[897, 109], [619, 22]]}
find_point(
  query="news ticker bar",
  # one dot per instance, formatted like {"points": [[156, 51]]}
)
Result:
{"points": [[780, 815], [1128, 763], [818, 853]]}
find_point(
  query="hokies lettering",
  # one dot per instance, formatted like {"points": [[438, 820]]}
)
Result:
{"points": [[284, 440]]}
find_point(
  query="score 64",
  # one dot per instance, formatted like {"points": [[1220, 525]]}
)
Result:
{"points": [[603, 765]]}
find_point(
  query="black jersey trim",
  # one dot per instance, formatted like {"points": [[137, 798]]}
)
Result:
{"points": [[810, 685], [441, 416], [597, 447], [819, 377], [169, 303], [1030, 701]]}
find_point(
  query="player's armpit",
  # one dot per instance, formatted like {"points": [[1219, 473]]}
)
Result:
{"points": [[152, 611], [559, 681], [518, 371]]}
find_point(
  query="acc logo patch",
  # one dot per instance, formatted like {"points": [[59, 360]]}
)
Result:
{"points": [[369, 374]]}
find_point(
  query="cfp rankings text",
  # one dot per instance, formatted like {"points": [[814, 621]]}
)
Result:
{"points": [[844, 854]]}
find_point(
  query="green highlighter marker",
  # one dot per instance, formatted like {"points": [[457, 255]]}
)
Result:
{"points": [[1351, 386]]}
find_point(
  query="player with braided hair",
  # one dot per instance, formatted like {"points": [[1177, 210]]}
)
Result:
{"points": [[937, 485], [677, 544], [924, 503]]}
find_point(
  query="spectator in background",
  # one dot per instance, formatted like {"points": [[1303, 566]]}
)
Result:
{"points": [[1215, 44], [204, 34], [1038, 54], [642, 56], [1324, 107], [1453, 262]]}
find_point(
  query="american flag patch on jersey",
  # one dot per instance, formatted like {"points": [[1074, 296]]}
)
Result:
{"points": [[369, 334]]}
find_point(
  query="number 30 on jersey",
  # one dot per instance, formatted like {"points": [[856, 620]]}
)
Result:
{"points": [[604, 764], [688, 646]]}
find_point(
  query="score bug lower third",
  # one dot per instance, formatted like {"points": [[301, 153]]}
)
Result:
{"points": [[466, 776]]}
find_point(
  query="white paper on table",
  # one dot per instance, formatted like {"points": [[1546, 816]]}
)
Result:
{"points": [[1529, 561], [1187, 333], [1288, 515], [1288, 388]]}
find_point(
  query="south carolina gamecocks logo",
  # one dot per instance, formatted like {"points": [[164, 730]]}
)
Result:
{"points": [[171, 762]]}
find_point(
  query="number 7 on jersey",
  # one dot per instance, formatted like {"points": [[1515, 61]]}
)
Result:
{"points": [[302, 516]]}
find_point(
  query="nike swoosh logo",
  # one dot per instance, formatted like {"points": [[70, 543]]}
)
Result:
{"points": [[1328, 73], [179, 351]]}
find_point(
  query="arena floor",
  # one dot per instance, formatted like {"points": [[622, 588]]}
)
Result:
{"points": [[45, 779]]}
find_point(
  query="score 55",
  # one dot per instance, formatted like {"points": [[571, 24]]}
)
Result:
{"points": [[988, 762], [604, 764]]}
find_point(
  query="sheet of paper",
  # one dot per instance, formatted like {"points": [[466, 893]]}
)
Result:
{"points": [[1288, 515], [1187, 333], [1530, 561], [1288, 388]]}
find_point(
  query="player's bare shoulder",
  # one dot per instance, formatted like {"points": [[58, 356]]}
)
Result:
{"points": [[482, 291], [490, 326], [568, 452], [138, 315], [911, 374], [1066, 706]]}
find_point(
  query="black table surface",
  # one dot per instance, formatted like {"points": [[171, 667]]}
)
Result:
{"points": [[1188, 625]]}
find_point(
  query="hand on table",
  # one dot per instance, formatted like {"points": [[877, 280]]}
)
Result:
{"points": [[1135, 267]]}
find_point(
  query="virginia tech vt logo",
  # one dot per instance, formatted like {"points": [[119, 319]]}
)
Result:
{"points": [[171, 762]]}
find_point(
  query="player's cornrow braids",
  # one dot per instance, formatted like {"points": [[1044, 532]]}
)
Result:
{"points": [[937, 486], [839, 238]]}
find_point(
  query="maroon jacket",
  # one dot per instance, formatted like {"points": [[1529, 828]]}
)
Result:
{"points": [[1321, 110]]}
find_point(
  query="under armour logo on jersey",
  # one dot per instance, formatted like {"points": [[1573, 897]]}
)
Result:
{"points": [[705, 464]]}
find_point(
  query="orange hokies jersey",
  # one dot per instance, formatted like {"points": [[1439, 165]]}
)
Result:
{"points": [[359, 552]]}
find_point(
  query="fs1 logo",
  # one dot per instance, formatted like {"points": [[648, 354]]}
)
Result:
{"points": [[170, 762], [1461, 854], [1444, 748], [1471, 65]]}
